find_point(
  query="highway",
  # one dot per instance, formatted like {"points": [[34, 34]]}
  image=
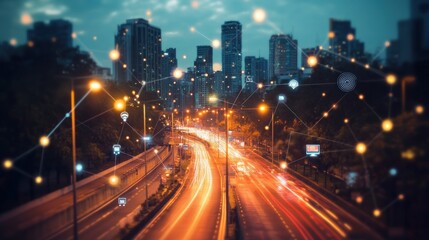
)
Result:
{"points": [[197, 212], [272, 204], [106, 222]]}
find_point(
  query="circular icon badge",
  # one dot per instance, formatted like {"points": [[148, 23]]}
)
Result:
{"points": [[346, 82]]}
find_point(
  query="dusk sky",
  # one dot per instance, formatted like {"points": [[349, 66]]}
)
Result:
{"points": [[95, 22]]}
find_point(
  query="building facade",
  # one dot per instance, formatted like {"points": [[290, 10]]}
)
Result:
{"points": [[231, 57]]}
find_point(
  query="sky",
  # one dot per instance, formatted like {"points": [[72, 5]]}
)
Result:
{"points": [[95, 22]]}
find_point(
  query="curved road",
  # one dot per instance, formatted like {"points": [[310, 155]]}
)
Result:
{"points": [[196, 212]]}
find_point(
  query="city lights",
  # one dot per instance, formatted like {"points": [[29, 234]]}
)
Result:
{"points": [[390, 79], [7, 164], [177, 73], [387, 125], [419, 109], [94, 85], [376, 212], [215, 43], [350, 37], [263, 107], [44, 141], [26, 19], [360, 148], [401, 197], [114, 55], [259, 15], [312, 61], [331, 35], [38, 180], [359, 199], [113, 180], [119, 105], [346, 120]]}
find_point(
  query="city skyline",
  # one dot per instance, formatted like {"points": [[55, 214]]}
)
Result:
{"points": [[309, 28]]}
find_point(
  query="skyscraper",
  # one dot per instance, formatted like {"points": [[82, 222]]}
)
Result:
{"points": [[58, 32], [168, 64], [203, 75], [139, 45], [231, 56], [283, 56], [249, 73], [342, 39]]}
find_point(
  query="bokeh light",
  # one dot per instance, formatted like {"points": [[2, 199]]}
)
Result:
{"points": [[420, 109], [94, 85], [346, 120], [387, 125], [387, 44], [217, 67], [113, 180], [215, 43], [119, 105], [26, 19], [359, 199], [390, 79], [259, 15], [361, 148], [195, 4], [13, 42], [312, 61], [114, 55], [44, 141], [331, 34], [401, 197], [177, 73], [376, 212], [38, 180], [7, 164], [350, 37], [393, 172], [192, 29]]}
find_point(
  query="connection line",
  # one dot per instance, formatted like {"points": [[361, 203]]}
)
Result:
{"points": [[41, 161], [332, 107], [25, 153], [22, 172], [376, 114], [296, 116], [325, 139]]}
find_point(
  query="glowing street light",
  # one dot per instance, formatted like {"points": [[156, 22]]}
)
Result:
{"points": [[44, 141], [94, 85], [360, 148], [119, 105], [7, 164]]}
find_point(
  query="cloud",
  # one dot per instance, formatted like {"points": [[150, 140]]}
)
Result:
{"points": [[48, 9], [172, 33]]}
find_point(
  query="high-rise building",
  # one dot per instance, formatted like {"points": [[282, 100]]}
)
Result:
{"points": [[58, 32], [139, 46], [231, 56], [342, 40], [261, 70], [204, 61], [219, 83], [203, 76], [168, 65], [283, 55]]}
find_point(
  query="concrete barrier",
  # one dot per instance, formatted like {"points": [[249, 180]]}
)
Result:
{"points": [[45, 226]]}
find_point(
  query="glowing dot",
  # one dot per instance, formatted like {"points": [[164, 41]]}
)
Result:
{"points": [[177, 73], [217, 67], [114, 55], [387, 125], [401, 197], [361, 97], [419, 109], [391, 79], [184, 56], [94, 85], [361, 148], [408, 154], [79, 167], [259, 15], [325, 114], [44, 141], [94, 38], [376, 212], [119, 105], [148, 13], [26, 19], [331, 34], [283, 165], [195, 4], [7, 164], [30, 44], [260, 85], [359, 199], [124, 65], [393, 172], [367, 66], [320, 47], [216, 43], [350, 37], [267, 127], [346, 120], [334, 106], [387, 44], [13, 42], [74, 35], [312, 61], [114, 180], [353, 60], [323, 94], [192, 29], [38, 180]]}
